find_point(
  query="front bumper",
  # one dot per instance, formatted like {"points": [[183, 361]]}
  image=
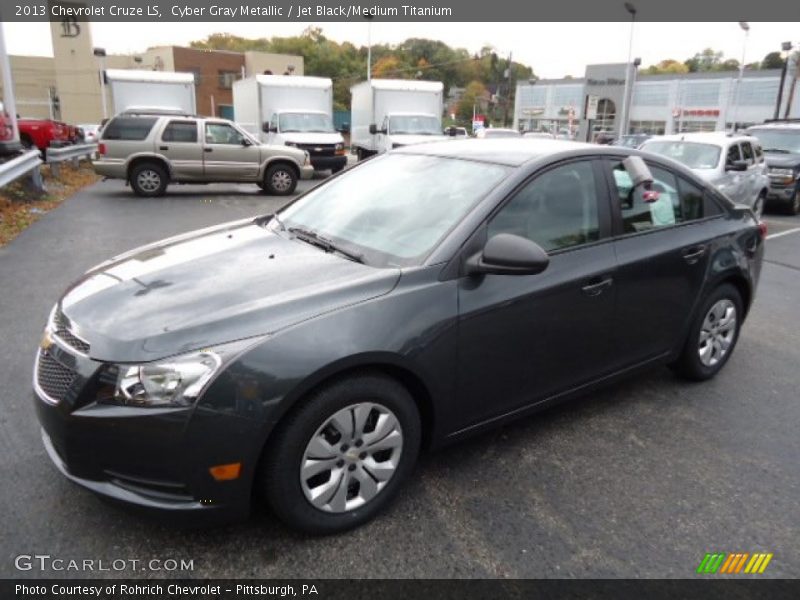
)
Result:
{"points": [[307, 171], [10, 147], [322, 163], [782, 191], [157, 460]]}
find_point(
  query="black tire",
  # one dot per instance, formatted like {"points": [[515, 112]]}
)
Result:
{"points": [[279, 472], [689, 365], [148, 179], [336, 170], [793, 206], [26, 142], [280, 180]]}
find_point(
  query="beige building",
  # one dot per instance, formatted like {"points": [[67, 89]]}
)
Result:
{"points": [[67, 85]]}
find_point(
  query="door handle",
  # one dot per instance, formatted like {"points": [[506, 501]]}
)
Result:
{"points": [[596, 285], [208, 149], [163, 147], [693, 254]]}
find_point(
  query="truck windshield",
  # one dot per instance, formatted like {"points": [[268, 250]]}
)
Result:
{"points": [[781, 142], [691, 154], [305, 123], [394, 209], [414, 125]]}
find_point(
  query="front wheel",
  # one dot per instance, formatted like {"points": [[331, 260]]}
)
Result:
{"points": [[340, 458], [713, 335], [280, 180]]}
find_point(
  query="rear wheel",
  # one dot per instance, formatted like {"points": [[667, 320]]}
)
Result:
{"points": [[280, 180], [340, 458], [713, 335], [148, 179]]}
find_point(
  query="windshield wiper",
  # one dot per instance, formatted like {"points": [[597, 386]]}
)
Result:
{"points": [[777, 150], [315, 239]]}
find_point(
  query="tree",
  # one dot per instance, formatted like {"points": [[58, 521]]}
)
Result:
{"points": [[772, 60], [667, 66], [707, 60], [474, 97]]}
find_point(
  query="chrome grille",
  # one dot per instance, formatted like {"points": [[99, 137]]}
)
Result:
{"points": [[62, 331], [318, 149], [53, 378]]}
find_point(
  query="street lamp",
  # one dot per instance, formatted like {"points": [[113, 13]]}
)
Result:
{"points": [[628, 72], [786, 48], [100, 53], [746, 28]]}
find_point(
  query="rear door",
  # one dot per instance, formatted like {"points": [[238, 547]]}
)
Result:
{"points": [[750, 178], [662, 250], [731, 182], [226, 154], [523, 338], [179, 143]]}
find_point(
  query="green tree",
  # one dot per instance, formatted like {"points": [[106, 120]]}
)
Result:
{"points": [[772, 60]]}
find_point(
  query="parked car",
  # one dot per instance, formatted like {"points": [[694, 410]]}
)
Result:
{"points": [[422, 296], [781, 142], [150, 151], [733, 163], [8, 145], [633, 140], [456, 132], [539, 134], [90, 132], [43, 133], [497, 132]]}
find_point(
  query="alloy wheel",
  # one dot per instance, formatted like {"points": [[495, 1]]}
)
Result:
{"points": [[281, 181], [351, 457], [148, 180], [717, 333]]}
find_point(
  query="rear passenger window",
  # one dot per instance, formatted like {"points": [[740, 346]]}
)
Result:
{"points": [[733, 154], [747, 151], [180, 131], [128, 128], [678, 201]]}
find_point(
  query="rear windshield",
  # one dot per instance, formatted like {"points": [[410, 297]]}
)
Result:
{"points": [[128, 128]]}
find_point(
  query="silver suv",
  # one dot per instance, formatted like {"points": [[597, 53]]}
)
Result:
{"points": [[733, 163], [151, 150]]}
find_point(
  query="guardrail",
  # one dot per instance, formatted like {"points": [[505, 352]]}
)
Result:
{"points": [[15, 168], [55, 156]]}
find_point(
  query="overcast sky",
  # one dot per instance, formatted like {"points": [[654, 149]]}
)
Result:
{"points": [[552, 49]]}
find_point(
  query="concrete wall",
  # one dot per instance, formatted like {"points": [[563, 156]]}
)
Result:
{"points": [[256, 63], [33, 76]]}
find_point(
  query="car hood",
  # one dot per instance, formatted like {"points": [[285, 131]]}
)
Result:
{"points": [[313, 138], [209, 287], [407, 140], [709, 175], [782, 161]]}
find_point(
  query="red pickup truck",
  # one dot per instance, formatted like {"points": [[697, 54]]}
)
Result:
{"points": [[43, 133]]}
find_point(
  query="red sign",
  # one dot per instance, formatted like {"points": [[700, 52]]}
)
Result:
{"points": [[700, 112]]}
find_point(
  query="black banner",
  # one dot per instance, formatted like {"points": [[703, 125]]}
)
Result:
{"points": [[392, 10], [154, 589]]}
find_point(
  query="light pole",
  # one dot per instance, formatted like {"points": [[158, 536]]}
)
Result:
{"points": [[8, 86], [100, 53], [628, 75], [786, 48], [369, 16], [746, 28]]}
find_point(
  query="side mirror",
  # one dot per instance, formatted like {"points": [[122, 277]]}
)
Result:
{"points": [[246, 142], [508, 254], [345, 128], [451, 131], [638, 171], [737, 165], [265, 127], [373, 129]]}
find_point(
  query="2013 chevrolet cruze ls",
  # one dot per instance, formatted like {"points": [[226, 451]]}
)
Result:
{"points": [[304, 358]]}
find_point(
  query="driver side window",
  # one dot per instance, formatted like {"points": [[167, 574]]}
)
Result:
{"points": [[556, 210], [222, 133]]}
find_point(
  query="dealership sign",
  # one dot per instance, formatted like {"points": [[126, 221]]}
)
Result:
{"points": [[698, 112]]}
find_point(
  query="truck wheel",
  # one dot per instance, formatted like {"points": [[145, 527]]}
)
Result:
{"points": [[148, 180], [793, 207], [280, 180]]}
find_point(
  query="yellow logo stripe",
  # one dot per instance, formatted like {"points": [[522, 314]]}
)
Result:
{"points": [[764, 564]]}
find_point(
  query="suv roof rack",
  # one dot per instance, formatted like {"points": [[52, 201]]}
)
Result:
{"points": [[167, 112], [792, 120]]}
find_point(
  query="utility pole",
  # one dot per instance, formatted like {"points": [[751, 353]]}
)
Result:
{"points": [[8, 85], [626, 98], [746, 28], [508, 91], [792, 85], [786, 47]]}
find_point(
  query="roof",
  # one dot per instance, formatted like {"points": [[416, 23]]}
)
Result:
{"points": [[150, 76], [404, 85], [790, 124], [707, 137], [507, 151], [294, 81]]}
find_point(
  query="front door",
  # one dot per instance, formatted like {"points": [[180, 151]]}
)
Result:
{"points": [[227, 154], [523, 338], [179, 144]]}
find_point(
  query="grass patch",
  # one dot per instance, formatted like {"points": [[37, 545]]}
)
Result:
{"points": [[21, 204]]}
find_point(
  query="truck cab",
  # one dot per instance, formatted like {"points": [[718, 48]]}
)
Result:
{"points": [[403, 129], [311, 131]]}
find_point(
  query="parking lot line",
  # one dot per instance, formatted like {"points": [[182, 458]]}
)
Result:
{"points": [[781, 233]]}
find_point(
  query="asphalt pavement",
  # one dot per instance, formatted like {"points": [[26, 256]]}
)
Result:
{"points": [[640, 480]]}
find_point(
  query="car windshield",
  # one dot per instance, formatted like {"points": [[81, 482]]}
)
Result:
{"points": [[414, 125], [306, 123], [781, 142], [394, 209], [692, 154]]}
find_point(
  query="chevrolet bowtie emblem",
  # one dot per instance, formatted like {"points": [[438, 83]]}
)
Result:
{"points": [[46, 342]]}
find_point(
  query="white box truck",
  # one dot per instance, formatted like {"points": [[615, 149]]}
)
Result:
{"points": [[291, 111], [134, 89], [388, 113]]}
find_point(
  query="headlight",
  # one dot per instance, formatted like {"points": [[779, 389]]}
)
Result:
{"points": [[338, 149], [172, 382], [781, 172]]}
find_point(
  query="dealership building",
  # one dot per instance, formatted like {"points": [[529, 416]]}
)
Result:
{"points": [[659, 104]]}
